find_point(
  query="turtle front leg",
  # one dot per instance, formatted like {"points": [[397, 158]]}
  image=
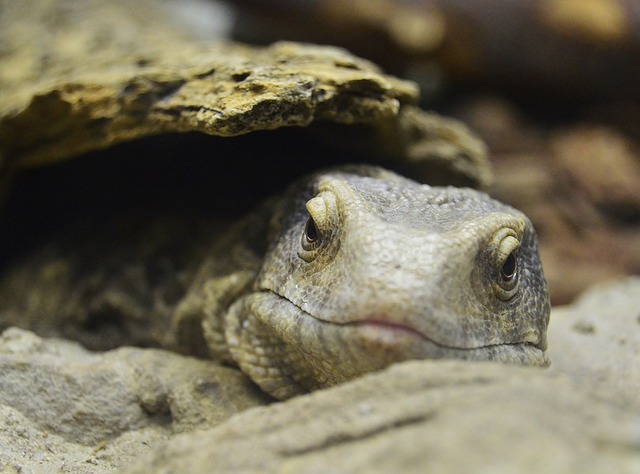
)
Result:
{"points": [[198, 323]]}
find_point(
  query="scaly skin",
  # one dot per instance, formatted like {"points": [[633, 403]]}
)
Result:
{"points": [[354, 269], [347, 272]]}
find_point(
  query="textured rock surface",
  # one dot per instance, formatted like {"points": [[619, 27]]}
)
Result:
{"points": [[597, 339], [421, 417], [64, 405], [26, 448], [611, 182], [106, 73], [83, 76]]}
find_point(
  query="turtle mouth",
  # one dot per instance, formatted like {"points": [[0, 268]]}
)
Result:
{"points": [[384, 325], [386, 334], [389, 326], [403, 341]]}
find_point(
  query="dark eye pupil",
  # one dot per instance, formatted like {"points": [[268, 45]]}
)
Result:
{"points": [[311, 231], [509, 268]]}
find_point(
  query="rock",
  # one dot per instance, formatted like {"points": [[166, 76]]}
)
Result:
{"points": [[106, 73], [110, 73], [597, 339], [60, 398], [27, 448], [421, 416]]}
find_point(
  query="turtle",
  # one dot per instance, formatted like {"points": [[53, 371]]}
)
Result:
{"points": [[391, 268]]}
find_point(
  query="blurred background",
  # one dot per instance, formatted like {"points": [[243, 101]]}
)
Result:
{"points": [[553, 86]]}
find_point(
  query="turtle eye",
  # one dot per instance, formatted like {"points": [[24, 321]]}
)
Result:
{"points": [[310, 241], [509, 268], [316, 227], [311, 231], [505, 260]]}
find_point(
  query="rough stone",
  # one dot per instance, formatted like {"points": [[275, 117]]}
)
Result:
{"points": [[90, 84], [26, 448], [59, 398], [218, 89], [597, 339], [105, 73], [422, 416]]}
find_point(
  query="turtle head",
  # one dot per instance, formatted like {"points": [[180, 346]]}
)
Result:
{"points": [[369, 268]]}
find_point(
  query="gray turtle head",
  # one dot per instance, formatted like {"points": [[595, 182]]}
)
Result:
{"points": [[386, 269]]}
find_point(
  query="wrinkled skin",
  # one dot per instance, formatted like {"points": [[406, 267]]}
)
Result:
{"points": [[354, 269]]}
